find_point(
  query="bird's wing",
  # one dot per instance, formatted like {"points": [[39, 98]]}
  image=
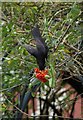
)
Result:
{"points": [[40, 43], [33, 51]]}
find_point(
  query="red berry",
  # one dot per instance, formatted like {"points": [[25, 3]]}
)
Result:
{"points": [[41, 74]]}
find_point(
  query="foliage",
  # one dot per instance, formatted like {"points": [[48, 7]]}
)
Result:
{"points": [[59, 25]]}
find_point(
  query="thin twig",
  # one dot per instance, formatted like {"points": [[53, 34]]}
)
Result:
{"points": [[11, 87], [15, 106], [63, 35], [71, 47]]}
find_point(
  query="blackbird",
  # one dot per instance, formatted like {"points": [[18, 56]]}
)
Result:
{"points": [[41, 50]]}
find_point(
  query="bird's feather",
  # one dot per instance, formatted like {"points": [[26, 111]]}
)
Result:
{"points": [[32, 50]]}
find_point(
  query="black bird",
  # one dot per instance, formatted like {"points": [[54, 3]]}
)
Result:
{"points": [[41, 50]]}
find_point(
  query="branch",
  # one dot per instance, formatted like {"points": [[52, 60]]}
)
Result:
{"points": [[63, 35], [73, 106]]}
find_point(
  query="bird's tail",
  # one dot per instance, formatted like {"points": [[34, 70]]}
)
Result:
{"points": [[36, 32]]}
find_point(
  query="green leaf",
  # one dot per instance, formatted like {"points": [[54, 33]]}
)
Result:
{"points": [[52, 75], [75, 10]]}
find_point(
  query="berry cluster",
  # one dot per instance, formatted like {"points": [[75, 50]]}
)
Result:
{"points": [[40, 74]]}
